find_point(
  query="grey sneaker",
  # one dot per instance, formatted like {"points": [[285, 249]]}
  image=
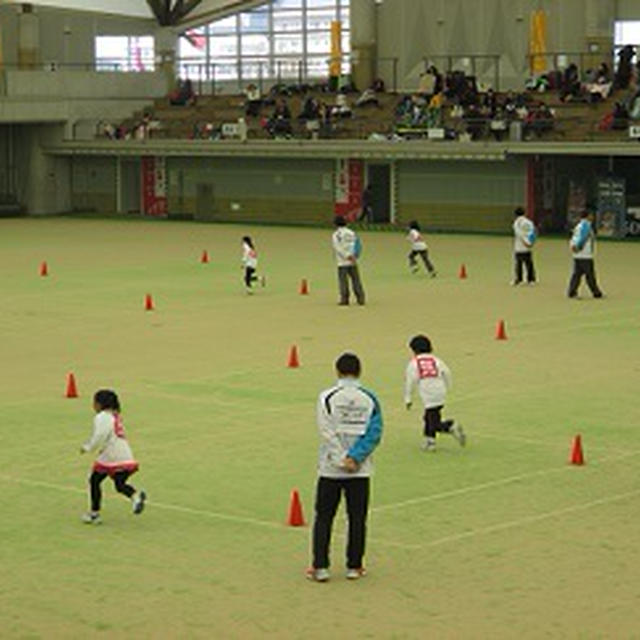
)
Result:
{"points": [[318, 575], [91, 517], [429, 445], [458, 433], [356, 574], [138, 502]]}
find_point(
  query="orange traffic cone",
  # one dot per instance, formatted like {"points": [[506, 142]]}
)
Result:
{"points": [[295, 517], [205, 257], [462, 274], [304, 287], [44, 269], [148, 302], [294, 362], [501, 333], [577, 456], [72, 391]]}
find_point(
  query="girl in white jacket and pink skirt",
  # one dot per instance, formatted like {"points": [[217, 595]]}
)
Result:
{"points": [[115, 458]]}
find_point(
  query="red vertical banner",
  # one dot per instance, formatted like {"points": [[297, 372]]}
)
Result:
{"points": [[349, 187], [154, 186]]}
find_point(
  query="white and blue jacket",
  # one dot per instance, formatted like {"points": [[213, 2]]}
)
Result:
{"points": [[583, 240], [524, 234], [350, 425]]}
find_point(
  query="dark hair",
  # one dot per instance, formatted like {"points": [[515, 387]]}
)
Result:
{"points": [[247, 240], [348, 364], [589, 208], [339, 221], [414, 225], [107, 399], [518, 211], [420, 344]]}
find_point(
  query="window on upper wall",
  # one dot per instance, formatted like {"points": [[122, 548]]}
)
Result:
{"points": [[626, 32], [124, 53], [281, 39]]}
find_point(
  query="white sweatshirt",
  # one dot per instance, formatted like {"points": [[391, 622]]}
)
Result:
{"points": [[249, 256], [583, 240], [416, 240], [432, 377], [108, 437], [344, 246], [350, 425], [524, 234]]}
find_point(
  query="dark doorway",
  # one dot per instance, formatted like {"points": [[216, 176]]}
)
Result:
{"points": [[379, 179]]}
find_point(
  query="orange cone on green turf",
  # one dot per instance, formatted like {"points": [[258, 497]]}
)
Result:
{"points": [[294, 361], [295, 517], [72, 390], [148, 302], [44, 269], [304, 287], [204, 258], [577, 455], [501, 333], [462, 274]]}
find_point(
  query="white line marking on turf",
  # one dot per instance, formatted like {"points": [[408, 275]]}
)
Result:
{"points": [[488, 485]]}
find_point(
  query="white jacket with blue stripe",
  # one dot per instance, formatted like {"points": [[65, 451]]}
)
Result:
{"points": [[583, 240], [350, 425]]}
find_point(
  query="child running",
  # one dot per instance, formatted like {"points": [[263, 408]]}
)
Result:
{"points": [[115, 457], [418, 248], [250, 264], [433, 379]]}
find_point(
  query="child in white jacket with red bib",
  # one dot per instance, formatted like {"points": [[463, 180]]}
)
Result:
{"points": [[433, 379]]}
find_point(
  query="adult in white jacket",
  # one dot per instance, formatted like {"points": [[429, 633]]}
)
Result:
{"points": [[350, 427], [346, 247], [433, 379], [582, 246], [524, 237], [115, 458]]}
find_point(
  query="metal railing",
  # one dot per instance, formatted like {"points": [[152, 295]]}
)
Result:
{"points": [[470, 63]]}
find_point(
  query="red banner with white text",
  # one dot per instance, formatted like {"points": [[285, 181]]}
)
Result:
{"points": [[349, 186], [154, 186]]}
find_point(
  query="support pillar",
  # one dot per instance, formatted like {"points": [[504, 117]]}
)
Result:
{"points": [[600, 15], [166, 46], [363, 42], [28, 37]]}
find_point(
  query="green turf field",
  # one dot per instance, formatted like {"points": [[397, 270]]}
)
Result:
{"points": [[501, 539]]}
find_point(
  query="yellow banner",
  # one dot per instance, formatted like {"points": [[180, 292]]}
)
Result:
{"points": [[538, 41], [335, 63]]}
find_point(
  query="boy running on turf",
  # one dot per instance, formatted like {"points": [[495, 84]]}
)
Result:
{"points": [[115, 457], [418, 248], [433, 379], [250, 264]]}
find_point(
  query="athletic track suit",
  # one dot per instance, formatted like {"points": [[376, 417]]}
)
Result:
{"points": [[115, 457], [582, 246], [350, 425], [524, 233], [345, 246]]}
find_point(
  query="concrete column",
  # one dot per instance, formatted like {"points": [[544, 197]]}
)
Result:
{"points": [[28, 37], [363, 42], [166, 46], [599, 18]]}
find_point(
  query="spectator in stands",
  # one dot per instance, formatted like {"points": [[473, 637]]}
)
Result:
{"points": [[183, 95], [341, 108], [625, 56], [620, 119], [310, 109], [254, 100], [426, 84], [570, 84], [378, 85], [368, 98], [280, 122], [490, 103]]}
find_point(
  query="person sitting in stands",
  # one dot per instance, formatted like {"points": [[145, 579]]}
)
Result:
{"points": [[341, 108], [183, 95], [620, 117], [254, 101], [368, 98], [279, 124], [310, 109]]}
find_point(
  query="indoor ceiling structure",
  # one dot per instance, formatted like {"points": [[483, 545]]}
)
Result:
{"points": [[178, 13]]}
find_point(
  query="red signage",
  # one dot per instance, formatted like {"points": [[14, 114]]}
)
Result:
{"points": [[154, 186], [349, 186]]}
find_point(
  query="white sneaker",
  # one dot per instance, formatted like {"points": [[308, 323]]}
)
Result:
{"points": [[458, 433], [356, 574], [429, 445], [318, 575], [91, 517], [138, 502]]}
